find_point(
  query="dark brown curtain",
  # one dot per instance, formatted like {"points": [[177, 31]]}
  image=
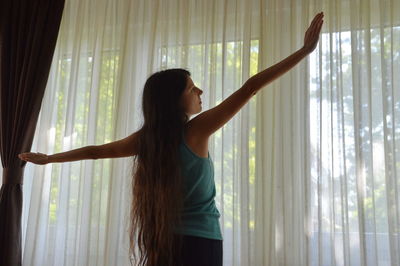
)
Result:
{"points": [[28, 34]]}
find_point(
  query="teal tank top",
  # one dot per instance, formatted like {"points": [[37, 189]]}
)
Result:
{"points": [[200, 216]]}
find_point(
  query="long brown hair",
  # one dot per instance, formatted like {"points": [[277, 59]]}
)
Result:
{"points": [[157, 182]]}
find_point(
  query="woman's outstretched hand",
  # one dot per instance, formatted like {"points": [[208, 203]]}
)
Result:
{"points": [[312, 34], [36, 158]]}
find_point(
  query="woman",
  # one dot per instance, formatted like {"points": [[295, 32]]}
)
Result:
{"points": [[174, 220]]}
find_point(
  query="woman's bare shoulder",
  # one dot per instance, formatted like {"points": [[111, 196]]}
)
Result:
{"points": [[197, 143]]}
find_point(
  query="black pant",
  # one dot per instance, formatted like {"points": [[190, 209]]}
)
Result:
{"points": [[198, 251]]}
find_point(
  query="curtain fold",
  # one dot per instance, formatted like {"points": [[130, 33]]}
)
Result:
{"points": [[28, 34]]}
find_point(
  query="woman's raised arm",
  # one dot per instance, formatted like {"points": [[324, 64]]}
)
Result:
{"points": [[311, 38], [120, 148], [206, 123]]}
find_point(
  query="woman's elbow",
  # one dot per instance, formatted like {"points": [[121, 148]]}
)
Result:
{"points": [[250, 87]]}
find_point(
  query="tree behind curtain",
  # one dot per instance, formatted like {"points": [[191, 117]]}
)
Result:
{"points": [[327, 189], [28, 34]]}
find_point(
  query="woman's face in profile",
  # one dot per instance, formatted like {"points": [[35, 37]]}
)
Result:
{"points": [[190, 99]]}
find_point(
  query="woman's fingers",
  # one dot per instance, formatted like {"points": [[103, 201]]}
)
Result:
{"points": [[37, 158], [319, 26], [318, 18], [315, 24], [22, 156], [25, 154], [317, 21], [312, 34]]}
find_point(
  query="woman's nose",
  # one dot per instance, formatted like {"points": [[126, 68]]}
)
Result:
{"points": [[200, 92]]}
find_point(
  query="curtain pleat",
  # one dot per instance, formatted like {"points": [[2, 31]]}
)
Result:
{"points": [[28, 34]]}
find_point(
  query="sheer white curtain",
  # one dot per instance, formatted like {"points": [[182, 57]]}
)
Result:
{"points": [[355, 136], [305, 173], [328, 151]]}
